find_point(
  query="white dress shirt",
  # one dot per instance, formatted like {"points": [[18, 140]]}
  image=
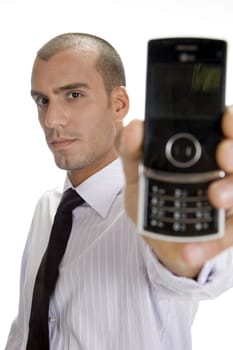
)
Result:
{"points": [[112, 292]]}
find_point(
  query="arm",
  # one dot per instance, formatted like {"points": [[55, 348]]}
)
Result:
{"points": [[16, 335], [182, 259]]}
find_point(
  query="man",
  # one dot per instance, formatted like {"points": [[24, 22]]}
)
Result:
{"points": [[116, 289]]}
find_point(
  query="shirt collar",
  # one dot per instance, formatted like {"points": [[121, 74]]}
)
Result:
{"points": [[100, 189]]}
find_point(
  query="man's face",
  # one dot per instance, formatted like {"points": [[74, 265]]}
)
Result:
{"points": [[78, 118]]}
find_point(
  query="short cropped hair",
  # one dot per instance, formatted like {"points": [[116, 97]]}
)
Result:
{"points": [[109, 63]]}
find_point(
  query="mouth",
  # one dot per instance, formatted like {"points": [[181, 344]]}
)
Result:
{"points": [[60, 143]]}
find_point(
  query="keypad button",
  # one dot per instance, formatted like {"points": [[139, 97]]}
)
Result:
{"points": [[153, 223], [179, 209]]}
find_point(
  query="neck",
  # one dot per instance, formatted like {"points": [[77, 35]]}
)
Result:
{"points": [[78, 176]]}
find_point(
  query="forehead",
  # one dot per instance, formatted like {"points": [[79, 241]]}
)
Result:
{"points": [[66, 67]]}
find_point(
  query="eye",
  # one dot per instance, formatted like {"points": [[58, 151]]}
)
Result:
{"points": [[41, 101], [74, 95]]}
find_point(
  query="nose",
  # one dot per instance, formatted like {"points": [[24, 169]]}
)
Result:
{"points": [[56, 115]]}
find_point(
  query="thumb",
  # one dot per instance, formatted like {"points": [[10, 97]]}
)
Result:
{"points": [[129, 146]]}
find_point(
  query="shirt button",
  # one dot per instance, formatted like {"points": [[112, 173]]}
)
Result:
{"points": [[52, 319]]}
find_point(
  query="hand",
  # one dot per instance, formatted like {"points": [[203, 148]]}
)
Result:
{"points": [[183, 259]]}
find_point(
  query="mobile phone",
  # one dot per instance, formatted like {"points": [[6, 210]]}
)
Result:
{"points": [[185, 100]]}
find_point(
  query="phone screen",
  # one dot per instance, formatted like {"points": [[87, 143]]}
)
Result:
{"points": [[184, 91]]}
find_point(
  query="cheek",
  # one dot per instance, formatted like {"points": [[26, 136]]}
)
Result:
{"points": [[41, 118], [41, 123], [96, 122], [100, 133]]}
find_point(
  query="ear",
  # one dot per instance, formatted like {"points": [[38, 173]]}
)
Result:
{"points": [[120, 102]]}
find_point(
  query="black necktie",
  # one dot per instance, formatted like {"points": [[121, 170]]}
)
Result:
{"points": [[38, 337]]}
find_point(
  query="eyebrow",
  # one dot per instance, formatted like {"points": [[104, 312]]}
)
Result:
{"points": [[63, 88], [73, 86]]}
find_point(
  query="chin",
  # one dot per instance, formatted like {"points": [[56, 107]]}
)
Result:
{"points": [[63, 164], [68, 164]]}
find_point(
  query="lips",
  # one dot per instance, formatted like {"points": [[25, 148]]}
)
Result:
{"points": [[61, 143]]}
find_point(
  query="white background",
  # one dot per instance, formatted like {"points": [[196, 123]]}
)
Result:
{"points": [[27, 167]]}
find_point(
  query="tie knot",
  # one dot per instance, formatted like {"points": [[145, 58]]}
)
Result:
{"points": [[69, 201]]}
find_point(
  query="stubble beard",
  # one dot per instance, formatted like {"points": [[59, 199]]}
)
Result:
{"points": [[71, 163], [79, 162]]}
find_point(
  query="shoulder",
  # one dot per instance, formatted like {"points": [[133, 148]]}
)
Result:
{"points": [[49, 200], [45, 211]]}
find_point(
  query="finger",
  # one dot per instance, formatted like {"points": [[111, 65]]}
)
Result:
{"points": [[227, 122], [129, 146], [220, 193], [196, 254], [224, 155]]}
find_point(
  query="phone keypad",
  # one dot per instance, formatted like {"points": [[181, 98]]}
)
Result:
{"points": [[180, 209]]}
